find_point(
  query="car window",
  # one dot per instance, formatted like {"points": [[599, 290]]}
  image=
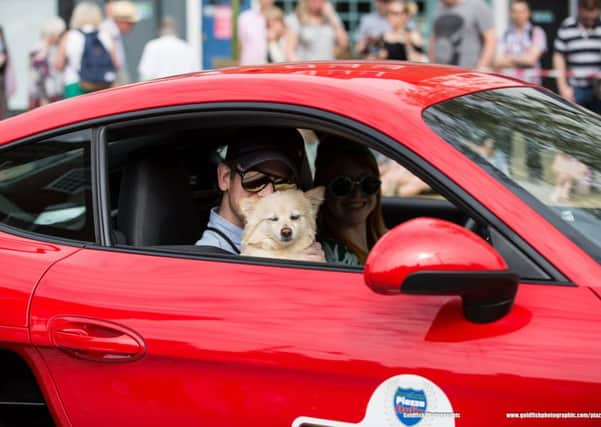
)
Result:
{"points": [[45, 187], [163, 181], [164, 190], [545, 150]]}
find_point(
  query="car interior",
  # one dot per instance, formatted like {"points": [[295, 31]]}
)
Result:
{"points": [[163, 185], [45, 187]]}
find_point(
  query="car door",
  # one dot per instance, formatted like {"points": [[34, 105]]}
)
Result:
{"points": [[231, 342], [45, 215], [146, 336]]}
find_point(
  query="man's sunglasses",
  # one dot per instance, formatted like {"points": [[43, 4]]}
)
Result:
{"points": [[254, 181], [343, 186]]}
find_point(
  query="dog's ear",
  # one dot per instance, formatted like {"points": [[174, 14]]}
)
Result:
{"points": [[316, 197], [247, 206]]}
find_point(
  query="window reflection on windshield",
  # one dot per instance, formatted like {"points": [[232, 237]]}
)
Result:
{"points": [[547, 147]]}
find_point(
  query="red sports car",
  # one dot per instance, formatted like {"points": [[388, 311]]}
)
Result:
{"points": [[480, 306]]}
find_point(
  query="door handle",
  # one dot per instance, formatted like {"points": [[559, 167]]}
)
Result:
{"points": [[95, 339]]}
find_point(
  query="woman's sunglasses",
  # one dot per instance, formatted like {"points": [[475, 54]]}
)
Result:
{"points": [[254, 181], [343, 186]]}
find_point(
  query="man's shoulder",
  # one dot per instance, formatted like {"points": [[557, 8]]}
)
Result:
{"points": [[110, 27], [369, 17], [569, 22], [248, 14], [212, 238], [152, 44], [538, 31], [478, 3]]}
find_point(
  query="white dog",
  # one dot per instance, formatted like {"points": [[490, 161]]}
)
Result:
{"points": [[281, 224]]}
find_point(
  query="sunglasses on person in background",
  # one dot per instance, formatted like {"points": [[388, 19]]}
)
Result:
{"points": [[343, 186], [254, 181]]}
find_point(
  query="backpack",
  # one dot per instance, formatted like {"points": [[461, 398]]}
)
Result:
{"points": [[97, 70]]}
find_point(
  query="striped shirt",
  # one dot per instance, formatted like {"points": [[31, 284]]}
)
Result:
{"points": [[581, 48]]}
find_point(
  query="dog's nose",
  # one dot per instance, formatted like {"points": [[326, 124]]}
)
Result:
{"points": [[286, 233]]}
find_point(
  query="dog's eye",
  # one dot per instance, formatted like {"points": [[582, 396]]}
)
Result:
{"points": [[294, 217], [272, 218]]}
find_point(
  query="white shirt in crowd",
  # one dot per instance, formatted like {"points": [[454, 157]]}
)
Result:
{"points": [[166, 56], [74, 49]]}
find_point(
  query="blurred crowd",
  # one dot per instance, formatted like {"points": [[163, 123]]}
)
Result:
{"points": [[88, 55]]}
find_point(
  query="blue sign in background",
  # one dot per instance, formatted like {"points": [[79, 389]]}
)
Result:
{"points": [[214, 48]]}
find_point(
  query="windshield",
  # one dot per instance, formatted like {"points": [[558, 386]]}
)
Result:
{"points": [[545, 150]]}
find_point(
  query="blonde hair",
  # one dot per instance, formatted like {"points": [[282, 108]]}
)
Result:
{"points": [[274, 13], [53, 26], [303, 14], [409, 7], [85, 13]]}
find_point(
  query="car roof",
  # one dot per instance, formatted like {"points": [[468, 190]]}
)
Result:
{"points": [[336, 86]]}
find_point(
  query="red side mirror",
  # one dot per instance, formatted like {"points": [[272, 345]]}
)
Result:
{"points": [[434, 257]]}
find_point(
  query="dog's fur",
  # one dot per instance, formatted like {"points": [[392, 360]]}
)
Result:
{"points": [[281, 224]]}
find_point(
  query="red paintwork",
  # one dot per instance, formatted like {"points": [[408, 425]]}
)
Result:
{"points": [[95, 340], [333, 85], [14, 335], [22, 263], [238, 344], [426, 244], [240, 339]]}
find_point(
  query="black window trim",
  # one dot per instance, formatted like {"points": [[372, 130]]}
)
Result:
{"points": [[99, 188], [327, 120]]}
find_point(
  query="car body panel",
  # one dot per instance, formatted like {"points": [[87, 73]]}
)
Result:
{"points": [[225, 340], [22, 262], [332, 86]]}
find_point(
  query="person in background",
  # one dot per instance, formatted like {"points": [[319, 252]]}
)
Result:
{"points": [[463, 34], [46, 83], [399, 42], [372, 27], [315, 32], [350, 221], [252, 33], [276, 29], [5, 89], [121, 18], [86, 19], [578, 51], [521, 46], [167, 55], [572, 177], [398, 181]]}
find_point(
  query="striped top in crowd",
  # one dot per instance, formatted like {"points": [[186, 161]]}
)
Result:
{"points": [[581, 48]]}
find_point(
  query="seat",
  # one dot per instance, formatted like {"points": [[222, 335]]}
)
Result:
{"points": [[156, 205]]}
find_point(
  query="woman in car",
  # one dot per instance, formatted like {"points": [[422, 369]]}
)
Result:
{"points": [[350, 220]]}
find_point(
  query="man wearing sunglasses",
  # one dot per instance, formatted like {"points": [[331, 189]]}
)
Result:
{"points": [[258, 161]]}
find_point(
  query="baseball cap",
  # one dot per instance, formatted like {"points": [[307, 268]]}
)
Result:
{"points": [[255, 145], [124, 11]]}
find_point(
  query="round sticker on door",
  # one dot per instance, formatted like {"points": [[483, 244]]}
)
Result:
{"points": [[403, 400]]}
